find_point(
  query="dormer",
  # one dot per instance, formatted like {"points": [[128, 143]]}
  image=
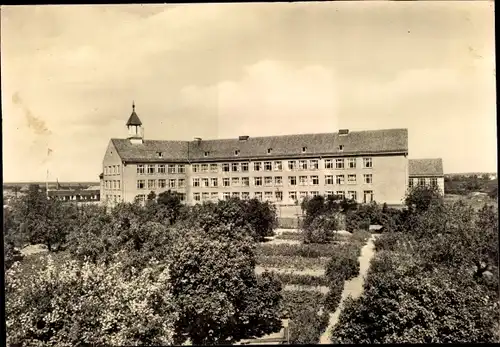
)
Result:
{"points": [[134, 126]]}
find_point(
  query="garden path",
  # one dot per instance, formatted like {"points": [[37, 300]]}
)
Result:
{"points": [[353, 287]]}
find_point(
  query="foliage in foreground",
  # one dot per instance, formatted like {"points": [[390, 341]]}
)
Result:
{"points": [[403, 304], [219, 297], [68, 303]]}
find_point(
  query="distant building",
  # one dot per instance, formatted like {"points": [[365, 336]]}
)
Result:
{"points": [[426, 172], [90, 196]]}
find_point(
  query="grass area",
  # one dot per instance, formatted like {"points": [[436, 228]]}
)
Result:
{"points": [[292, 262], [306, 280], [312, 250]]}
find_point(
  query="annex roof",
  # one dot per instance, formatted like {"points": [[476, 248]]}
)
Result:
{"points": [[425, 167], [298, 145]]}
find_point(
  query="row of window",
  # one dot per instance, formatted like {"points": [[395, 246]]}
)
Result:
{"points": [[278, 181], [312, 164], [151, 169], [112, 184], [142, 197], [113, 198], [161, 183], [112, 170], [422, 182], [278, 196]]}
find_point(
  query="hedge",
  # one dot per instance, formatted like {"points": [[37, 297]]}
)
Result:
{"points": [[292, 262]]}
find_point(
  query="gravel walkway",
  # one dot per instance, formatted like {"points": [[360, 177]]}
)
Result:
{"points": [[353, 288]]}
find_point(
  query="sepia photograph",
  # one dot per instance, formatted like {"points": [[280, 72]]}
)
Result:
{"points": [[250, 173]]}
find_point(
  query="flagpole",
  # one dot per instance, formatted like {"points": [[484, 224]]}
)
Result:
{"points": [[47, 184]]}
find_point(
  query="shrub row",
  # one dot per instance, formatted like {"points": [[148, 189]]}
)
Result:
{"points": [[311, 250], [290, 236], [298, 263], [306, 280]]}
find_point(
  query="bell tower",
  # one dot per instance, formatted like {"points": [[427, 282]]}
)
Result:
{"points": [[135, 129]]}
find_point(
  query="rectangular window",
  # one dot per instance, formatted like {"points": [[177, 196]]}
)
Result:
{"points": [[340, 193], [292, 196], [235, 181], [314, 164], [421, 182], [162, 183], [140, 169], [302, 195], [339, 163], [226, 195], [329, 193], [214, 168], [245, 195], [161, 168], [257, 181], [292, 165], [368, 178], [196, 196], [351, 163], [244, 167], [258, 196], [172, 183], [118, 184], [181, 168], [315, 180], [196, 182], [182, 196], [278, 196], [329, 179], [140, 198], [340, 179], [268, 196], [151, 184], [351, 179], [314, 193], [235, 167], [292, 180], [172, 168], [352, 195], [235, 195], [141, 184], [205, 196], [196, 168], [151, 169], [278, 181], [367, 196], [181, 182], [410, 183], [214, 195], [268, 181], [257, 166], [303, 180], [205, 182], [268, 166], [434, 182], [367, 163], [214, 181], [225, 167], [225, 182], [278, 165], [245, 181], [204, 167], [303, 164]]}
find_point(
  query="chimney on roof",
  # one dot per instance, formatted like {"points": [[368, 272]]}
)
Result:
{"points": [[343, 131], [243, 137], [198, 140]]}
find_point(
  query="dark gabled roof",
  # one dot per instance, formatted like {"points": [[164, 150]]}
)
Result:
{"points": [[425, 167], [355, 143]]}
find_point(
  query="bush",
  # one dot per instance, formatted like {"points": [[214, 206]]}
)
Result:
{"points": [[302, 307], [344, 265], [320, 229], [332, 299], [403, 304], [387, 241], [67, 303]]}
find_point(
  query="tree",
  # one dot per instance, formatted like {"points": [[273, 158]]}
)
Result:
{"points": [[420, 198], [169, 206], [67, 303], [214, 283]]}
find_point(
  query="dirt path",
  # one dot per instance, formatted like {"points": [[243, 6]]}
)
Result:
{"points": [[353, 287]]}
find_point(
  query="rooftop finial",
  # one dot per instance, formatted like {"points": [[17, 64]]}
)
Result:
{"points": [[133, 105]]}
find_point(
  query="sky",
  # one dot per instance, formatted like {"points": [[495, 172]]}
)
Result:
{"points": [[69, 75]]}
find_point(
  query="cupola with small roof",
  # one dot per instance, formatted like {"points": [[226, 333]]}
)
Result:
{"points": [[134, 126]]}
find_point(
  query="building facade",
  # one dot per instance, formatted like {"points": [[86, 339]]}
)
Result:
{"points": [[362, 165], [426, 172]]}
